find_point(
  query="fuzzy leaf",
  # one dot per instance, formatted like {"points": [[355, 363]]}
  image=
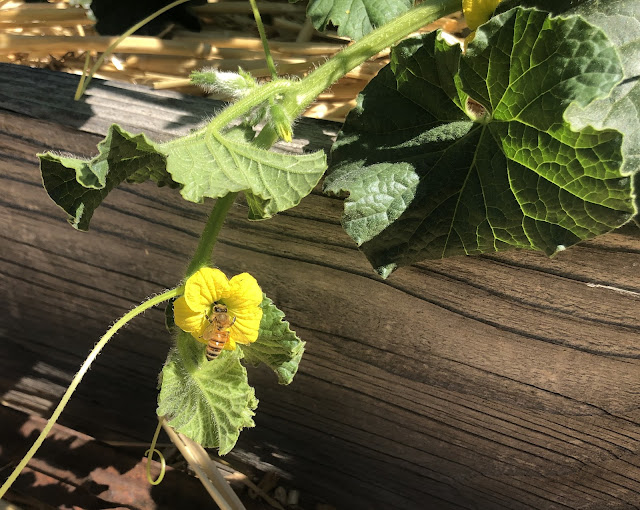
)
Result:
{"points": [[277, 346], [449, 155], [204, 164], [79, 186], [209, 164], [355, 18], [208, 401]]}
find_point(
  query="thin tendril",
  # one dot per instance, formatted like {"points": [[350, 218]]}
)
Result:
{"points": [[149, 303], [84, 83], [263, 38], [149, 453]]}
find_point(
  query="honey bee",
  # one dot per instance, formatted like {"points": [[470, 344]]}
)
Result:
{"points": [[216, 334]]}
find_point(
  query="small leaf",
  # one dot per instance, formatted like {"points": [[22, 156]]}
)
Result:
{"points": [[355, 18], [79, 186], [208, 401], [209, 164], [518, 177], [277, 346]]}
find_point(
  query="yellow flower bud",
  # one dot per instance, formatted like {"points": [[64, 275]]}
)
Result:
{"points": [[280, 122]]}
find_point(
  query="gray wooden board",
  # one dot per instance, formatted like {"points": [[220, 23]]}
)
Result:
{"points": [[508, 381]]}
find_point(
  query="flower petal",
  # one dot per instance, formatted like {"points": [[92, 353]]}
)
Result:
{"points": [[243, 301], [477, 12], [243, 293], [205, 287], [245, 329], [188, 320]]}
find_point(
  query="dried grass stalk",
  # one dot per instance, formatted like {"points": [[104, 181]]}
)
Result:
{"points": [[242, 7]]}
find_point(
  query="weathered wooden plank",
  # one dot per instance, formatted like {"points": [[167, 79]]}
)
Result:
{"points": [[504, 381]]}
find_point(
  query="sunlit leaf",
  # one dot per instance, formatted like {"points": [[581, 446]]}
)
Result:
{"points": [[449, 155], [277, 346], [208, 401]]}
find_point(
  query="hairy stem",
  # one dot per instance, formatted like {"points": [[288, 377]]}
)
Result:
{"points": [[165, 296], [297, 96], [244, 105], [210, 233], [305, 91]]}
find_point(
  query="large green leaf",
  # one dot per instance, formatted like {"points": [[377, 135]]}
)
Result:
{"points": [[448, 154], [79, 186], [620, 20], [355, 18], [208, 401], [209, 164], [620, 110], [277, 346]]}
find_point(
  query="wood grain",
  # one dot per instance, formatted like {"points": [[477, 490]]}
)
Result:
{"points": [[507, 381]]}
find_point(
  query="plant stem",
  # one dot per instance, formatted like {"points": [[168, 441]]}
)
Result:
{"points": [[165, 296], [210, 233], [298, 95], [263, 38], [305, 91], [302, 93], [239, 108], [234, 110]]}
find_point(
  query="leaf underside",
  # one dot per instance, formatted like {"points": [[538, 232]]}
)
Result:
{"points": [[427, 181], [203, 164], [209, 164], [79, 186], [208, 401]]}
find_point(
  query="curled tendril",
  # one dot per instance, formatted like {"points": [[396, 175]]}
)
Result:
{"points": [[149, 453]]}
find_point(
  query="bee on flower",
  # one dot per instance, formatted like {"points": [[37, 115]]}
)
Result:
{"points": [[220, 312]]}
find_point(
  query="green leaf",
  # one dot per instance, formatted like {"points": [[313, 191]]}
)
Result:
{"points": [[208, 401], [448, 155], [209, 164], [277, 346], [205, 163], [620, 20], [355, 18], [79, 186]]}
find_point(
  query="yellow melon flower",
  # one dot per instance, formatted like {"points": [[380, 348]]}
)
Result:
{"points": [[241, 295], [477, 12]]}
